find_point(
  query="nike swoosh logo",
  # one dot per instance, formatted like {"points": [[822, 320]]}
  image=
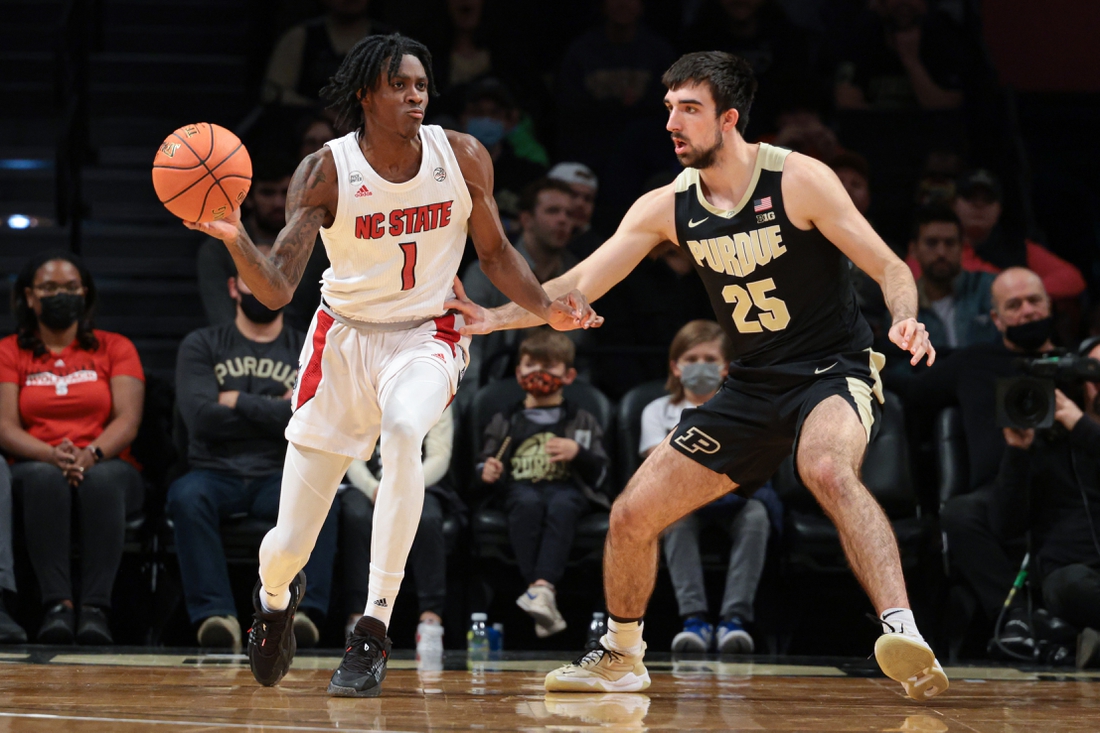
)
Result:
{"points": [[693, 224], [822, 371]]}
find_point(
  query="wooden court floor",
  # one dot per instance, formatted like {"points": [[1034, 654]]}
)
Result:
{"points": [[45, 689]]}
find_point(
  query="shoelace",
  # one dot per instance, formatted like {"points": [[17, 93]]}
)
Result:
{"points": [[596, 654], [365, 660]]}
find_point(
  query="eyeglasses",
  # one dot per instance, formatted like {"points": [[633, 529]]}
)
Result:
{"points": [[52, 288]]}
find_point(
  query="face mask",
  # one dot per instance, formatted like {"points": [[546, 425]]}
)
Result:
{"points": [[256, 311], [701, 377], [541, 383], [1031, 336], [488, 130], [61, 311]]}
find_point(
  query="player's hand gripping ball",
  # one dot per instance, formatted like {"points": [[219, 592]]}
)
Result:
{"points": [[202, 172]]}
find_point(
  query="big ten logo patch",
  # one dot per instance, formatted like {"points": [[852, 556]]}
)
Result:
{"points": [[250, 366], [696, 441]]}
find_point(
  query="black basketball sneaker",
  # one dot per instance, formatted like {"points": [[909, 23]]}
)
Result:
{"points": [[363, 668], [271, 643]]}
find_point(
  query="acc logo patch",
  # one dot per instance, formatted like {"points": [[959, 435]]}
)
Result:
{"points": [[696, 441], [440, 175], [355, 177]]}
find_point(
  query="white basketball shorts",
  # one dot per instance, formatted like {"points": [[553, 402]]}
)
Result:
{"points": [[346, 369]]}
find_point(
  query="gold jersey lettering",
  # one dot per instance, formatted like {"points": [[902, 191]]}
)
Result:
{"points": [[740, 254], [744, 253], [729, 255]]}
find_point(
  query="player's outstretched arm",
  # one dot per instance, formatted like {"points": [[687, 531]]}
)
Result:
{"points": [[649, 222], [310, 203], [815, 197], [502, 264]]}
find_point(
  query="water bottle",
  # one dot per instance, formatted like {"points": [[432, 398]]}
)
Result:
{"points": [[496, 637], [596, 630], [477, 639]]}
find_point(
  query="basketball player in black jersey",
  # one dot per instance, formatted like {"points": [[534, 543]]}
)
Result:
{"points": [[767, 229]]}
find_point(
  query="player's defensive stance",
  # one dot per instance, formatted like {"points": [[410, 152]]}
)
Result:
{"points": [[393, 202], [767, 229]]}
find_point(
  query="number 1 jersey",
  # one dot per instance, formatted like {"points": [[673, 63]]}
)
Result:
{"points": [[395, 248], [781, 293]]}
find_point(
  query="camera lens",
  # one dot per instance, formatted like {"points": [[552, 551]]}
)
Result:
{"points": [[1027, 403]]}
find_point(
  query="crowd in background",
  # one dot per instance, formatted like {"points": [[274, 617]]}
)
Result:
{"points": [[895, 95]]}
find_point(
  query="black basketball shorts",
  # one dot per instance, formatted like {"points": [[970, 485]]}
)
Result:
{"points": [[753, 422]]}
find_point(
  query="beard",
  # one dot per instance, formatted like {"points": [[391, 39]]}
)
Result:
{"points": [[942, 273], [702, 159]]}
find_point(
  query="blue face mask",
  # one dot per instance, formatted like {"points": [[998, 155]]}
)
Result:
{"points": [[488, 130]]}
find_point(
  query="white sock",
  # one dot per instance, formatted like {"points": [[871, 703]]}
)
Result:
{"points": [[623, 637], [899, 620], [382, 594], [273, 602]]}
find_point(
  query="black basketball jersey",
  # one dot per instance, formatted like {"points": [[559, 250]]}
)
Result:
{"points": [[782, 294]]}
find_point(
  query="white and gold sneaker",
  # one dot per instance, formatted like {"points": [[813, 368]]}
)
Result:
{"points": [[601, 670], [908, 659]]}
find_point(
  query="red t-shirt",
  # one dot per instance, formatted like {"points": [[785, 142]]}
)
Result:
{"points": [[68, 395]]}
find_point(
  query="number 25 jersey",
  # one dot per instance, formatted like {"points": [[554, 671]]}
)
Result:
{"points": [[781, 293], [395, 248]]}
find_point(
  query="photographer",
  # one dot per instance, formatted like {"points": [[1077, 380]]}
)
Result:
{"points": [[1048, 484], [967, 378]]}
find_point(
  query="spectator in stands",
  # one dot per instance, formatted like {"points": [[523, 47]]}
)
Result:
{"points": [[854, 172], [1045, 478], [579, 177], [937, 180], [955, 304], [609, 92], [234, 383], [899, 56], [308, 54], [993, 246], [10, 631], [643, 314], [545, 223], [428, 557], [491, 116], [314, 130], [698, 361], [547, 459], [780, 52], [967, 378], [70, 404]]}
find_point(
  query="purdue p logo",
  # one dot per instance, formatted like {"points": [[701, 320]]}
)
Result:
{"points": [[695, 440]]}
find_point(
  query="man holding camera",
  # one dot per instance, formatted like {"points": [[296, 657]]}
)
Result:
{"points": [[967, 378], [1049, 483]]}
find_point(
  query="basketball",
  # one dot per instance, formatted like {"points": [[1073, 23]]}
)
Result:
{"points": [[202, 172]]}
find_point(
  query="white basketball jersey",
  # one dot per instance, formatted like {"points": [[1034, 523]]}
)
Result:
{"points": [[395, 248]]}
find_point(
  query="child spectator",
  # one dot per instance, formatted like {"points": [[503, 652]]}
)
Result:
{"points": [[70, 403], [547, 458], [697, 363]]}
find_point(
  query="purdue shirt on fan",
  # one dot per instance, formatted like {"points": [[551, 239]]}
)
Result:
{"points": [[783, 294]]}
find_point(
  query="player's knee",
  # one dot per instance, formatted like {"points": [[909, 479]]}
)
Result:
{"points": [[627, 523], [401, 433], [826, 475]]}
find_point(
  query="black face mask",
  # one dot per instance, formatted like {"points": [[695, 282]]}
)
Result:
{"points": [[61, 311], [256, 311], [1031, 336]]}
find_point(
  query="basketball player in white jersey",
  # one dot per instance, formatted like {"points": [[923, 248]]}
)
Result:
{"points": [[767, 230], [393, 202]]}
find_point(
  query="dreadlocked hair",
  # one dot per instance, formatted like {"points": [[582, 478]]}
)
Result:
{"points": [[362, 69]]}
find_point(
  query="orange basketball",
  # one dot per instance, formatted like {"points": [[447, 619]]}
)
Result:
{"points": [[202, 172]]}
